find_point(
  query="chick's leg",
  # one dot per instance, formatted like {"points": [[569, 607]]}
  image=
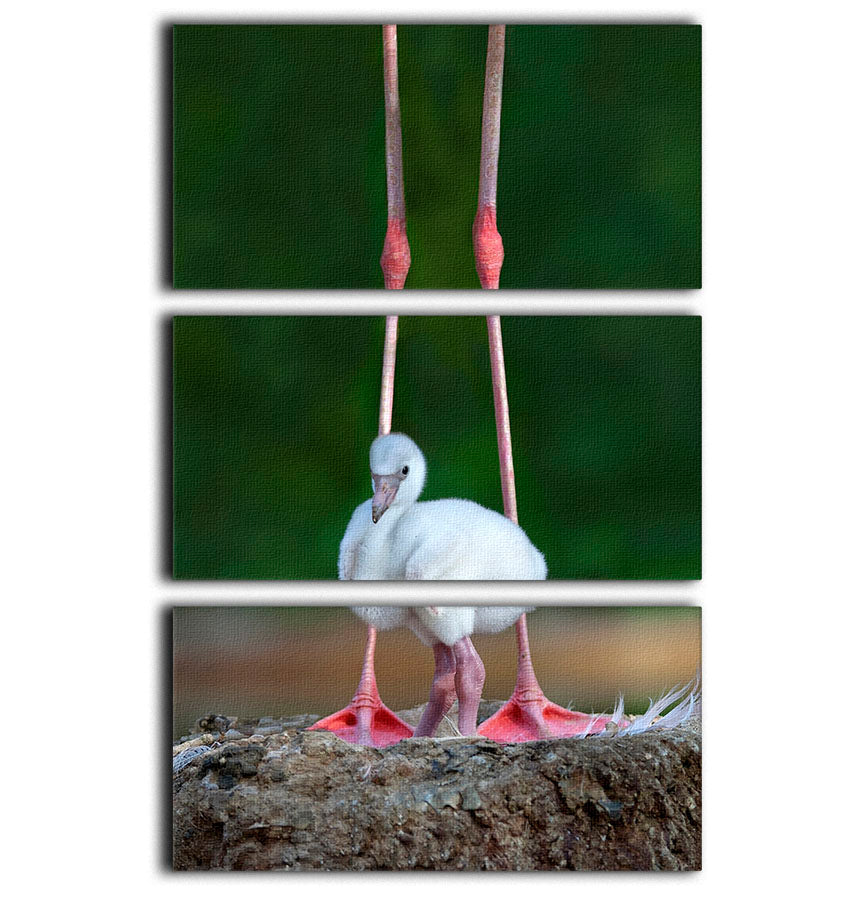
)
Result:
{"points": [[442, 691], [469, 681]]}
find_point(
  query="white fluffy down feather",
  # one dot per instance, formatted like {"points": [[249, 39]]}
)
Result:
{"points": [[447, 624], [433, 540]]}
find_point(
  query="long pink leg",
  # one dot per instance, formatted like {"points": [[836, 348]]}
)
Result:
{"points": [[367, 720], [501, 413], [487, 243], [442, 692], [528, 715], [395, 259], [386, 391]]}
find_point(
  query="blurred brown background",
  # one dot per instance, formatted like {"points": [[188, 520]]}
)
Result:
{"points": [[259, 661]]}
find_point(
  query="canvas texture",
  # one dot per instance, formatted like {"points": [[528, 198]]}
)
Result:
{"points": [[430, 737], [274, 417], [279, 158], [264, 778]]}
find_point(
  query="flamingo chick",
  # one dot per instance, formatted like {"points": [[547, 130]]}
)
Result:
{"points": [[458, 671], [393, 536]]}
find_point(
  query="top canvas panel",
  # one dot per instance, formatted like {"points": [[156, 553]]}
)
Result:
{"points": [[280, 163]]}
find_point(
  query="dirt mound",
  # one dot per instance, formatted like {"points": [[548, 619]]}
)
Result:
{"points": [[270, 795]]}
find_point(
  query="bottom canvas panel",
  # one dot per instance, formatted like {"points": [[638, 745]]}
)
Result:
{"points": [[436, 737]]}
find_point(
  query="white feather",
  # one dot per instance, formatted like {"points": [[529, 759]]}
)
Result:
{"points": [[689, 705], [687, 700], [491, 619], [383, 617], [434, 540], [446, 624]]}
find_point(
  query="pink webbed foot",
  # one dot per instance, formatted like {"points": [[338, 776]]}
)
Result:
{"points": [[540, 719], [529, 715], [367, 720], [369, 725]]}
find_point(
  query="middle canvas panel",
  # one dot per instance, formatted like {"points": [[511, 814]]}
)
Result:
{"points": [[283, 470]]}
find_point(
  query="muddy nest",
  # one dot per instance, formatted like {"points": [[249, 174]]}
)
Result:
{"points": [[270, 795]]}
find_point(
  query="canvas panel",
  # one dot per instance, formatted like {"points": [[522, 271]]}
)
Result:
{"points": [[262, 781], [274, 418], [279, 155]]}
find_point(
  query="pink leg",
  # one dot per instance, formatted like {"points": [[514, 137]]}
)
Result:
{"points": [[469, 681], [395, 260], [367, 720], [529, 715], [386, 390], [487, 243], [442, 692], [501, 413]]}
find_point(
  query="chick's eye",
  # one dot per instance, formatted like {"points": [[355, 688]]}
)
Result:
{"points": [[404, 470]]}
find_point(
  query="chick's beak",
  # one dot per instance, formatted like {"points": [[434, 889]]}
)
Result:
{"points": [[384, 491]]}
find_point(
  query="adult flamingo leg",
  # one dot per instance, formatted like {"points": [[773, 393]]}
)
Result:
{"points": [[487, 243], [367, 720], [395, 260], [529, 715]]}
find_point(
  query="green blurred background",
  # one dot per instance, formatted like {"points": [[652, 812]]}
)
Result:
{"points": [[274, 416], [273, 661], [279, 178]]}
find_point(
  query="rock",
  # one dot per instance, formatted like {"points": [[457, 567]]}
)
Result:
{"points": [[300, 800]]}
